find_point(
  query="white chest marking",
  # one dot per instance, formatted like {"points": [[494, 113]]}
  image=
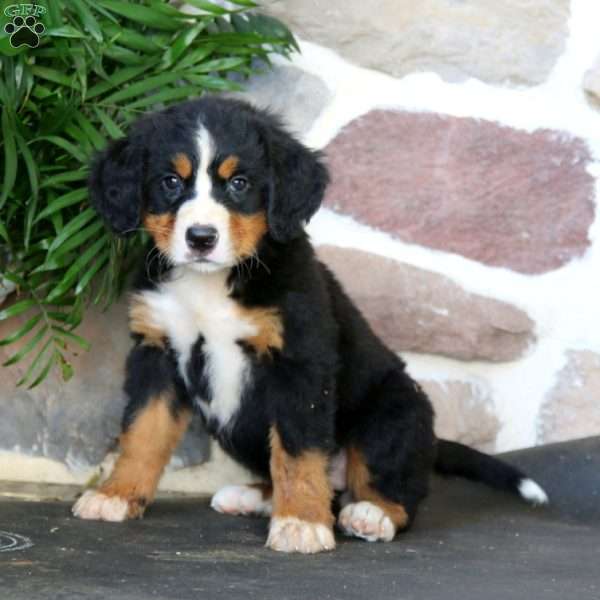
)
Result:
{"points": [[194, 304]]}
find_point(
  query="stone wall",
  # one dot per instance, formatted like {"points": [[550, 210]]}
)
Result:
{"points": [[463, 140]]}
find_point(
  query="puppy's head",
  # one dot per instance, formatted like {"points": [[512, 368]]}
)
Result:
{"points": [[208, 179]]}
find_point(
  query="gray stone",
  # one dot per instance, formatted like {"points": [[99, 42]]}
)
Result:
{"points": [[77, 422], [292, 94], [464, 412], [572, 408], [516, 41], [21, 421], [412, 309]]}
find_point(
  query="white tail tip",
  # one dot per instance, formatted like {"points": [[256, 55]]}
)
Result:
{"points": [[532, 492]]}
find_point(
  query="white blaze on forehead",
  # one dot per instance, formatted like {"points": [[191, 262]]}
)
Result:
{"points": [[202, 209], [206, 151]]}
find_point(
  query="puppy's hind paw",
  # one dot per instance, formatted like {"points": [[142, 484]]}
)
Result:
{"points": [[366, 521]]}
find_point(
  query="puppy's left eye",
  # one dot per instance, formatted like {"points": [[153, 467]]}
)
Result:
{"points": [[239, 183]]}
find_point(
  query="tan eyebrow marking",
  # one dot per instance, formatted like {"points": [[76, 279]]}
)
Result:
{"points": [[227, 167], [183, 165]]}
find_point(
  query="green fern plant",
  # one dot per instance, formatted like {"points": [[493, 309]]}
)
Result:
{"points": [[99, 64]]}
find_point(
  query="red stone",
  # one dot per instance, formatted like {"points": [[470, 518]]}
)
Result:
{"points": [[497, 195], [416, 310]]}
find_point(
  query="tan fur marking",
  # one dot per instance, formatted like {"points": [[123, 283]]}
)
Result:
{"points": [[246, 231], [182, 165], [301, 488], [269, 329], [228, 166], [140, 322], [160, 227], [359, 483], [266, 489], [146, 448]]}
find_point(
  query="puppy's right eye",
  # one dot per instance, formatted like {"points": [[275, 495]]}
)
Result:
{"points": [[171, 184]]}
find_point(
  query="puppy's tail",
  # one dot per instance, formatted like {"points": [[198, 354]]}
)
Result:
{"points": [[456, 459]]}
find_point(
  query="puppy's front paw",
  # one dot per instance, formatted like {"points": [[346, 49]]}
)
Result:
{"points": [[241, 500], [96, 505], [367, 521], [288, 534]]}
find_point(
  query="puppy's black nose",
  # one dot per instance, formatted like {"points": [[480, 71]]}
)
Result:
{"points": [[201, 238]]}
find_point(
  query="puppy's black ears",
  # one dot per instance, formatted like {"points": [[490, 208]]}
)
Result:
{"points": [[298, 182], [115, 185]]}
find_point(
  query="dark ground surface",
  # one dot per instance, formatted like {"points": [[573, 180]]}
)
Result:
{"points": [[468, 543]]}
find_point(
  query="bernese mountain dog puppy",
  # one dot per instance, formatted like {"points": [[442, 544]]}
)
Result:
{"points": [[234, 317]]}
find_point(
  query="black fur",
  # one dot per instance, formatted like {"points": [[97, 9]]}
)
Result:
{"points": [[456, 459], [334, 384], [151, 371], [116, 185], [289, 176], [198, 383], [298, 182]]}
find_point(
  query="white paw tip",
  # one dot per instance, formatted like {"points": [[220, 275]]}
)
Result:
{"points": [[288, 534], [532, 492], [366, 521], [240, 500], [95, 505]]}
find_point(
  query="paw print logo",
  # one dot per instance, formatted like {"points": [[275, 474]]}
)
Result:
{"points": [[24, 32]]}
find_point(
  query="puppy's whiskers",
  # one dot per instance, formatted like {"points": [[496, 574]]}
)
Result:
{"points": [[133, 230], [259, 263], [163, 263]]}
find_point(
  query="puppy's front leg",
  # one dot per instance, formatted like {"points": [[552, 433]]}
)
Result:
{"points": [[301, 520], [154, 422]]}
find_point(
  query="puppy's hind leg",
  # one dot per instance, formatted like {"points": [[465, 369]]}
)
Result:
{"points": [[390, 456], [154, 422]]}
